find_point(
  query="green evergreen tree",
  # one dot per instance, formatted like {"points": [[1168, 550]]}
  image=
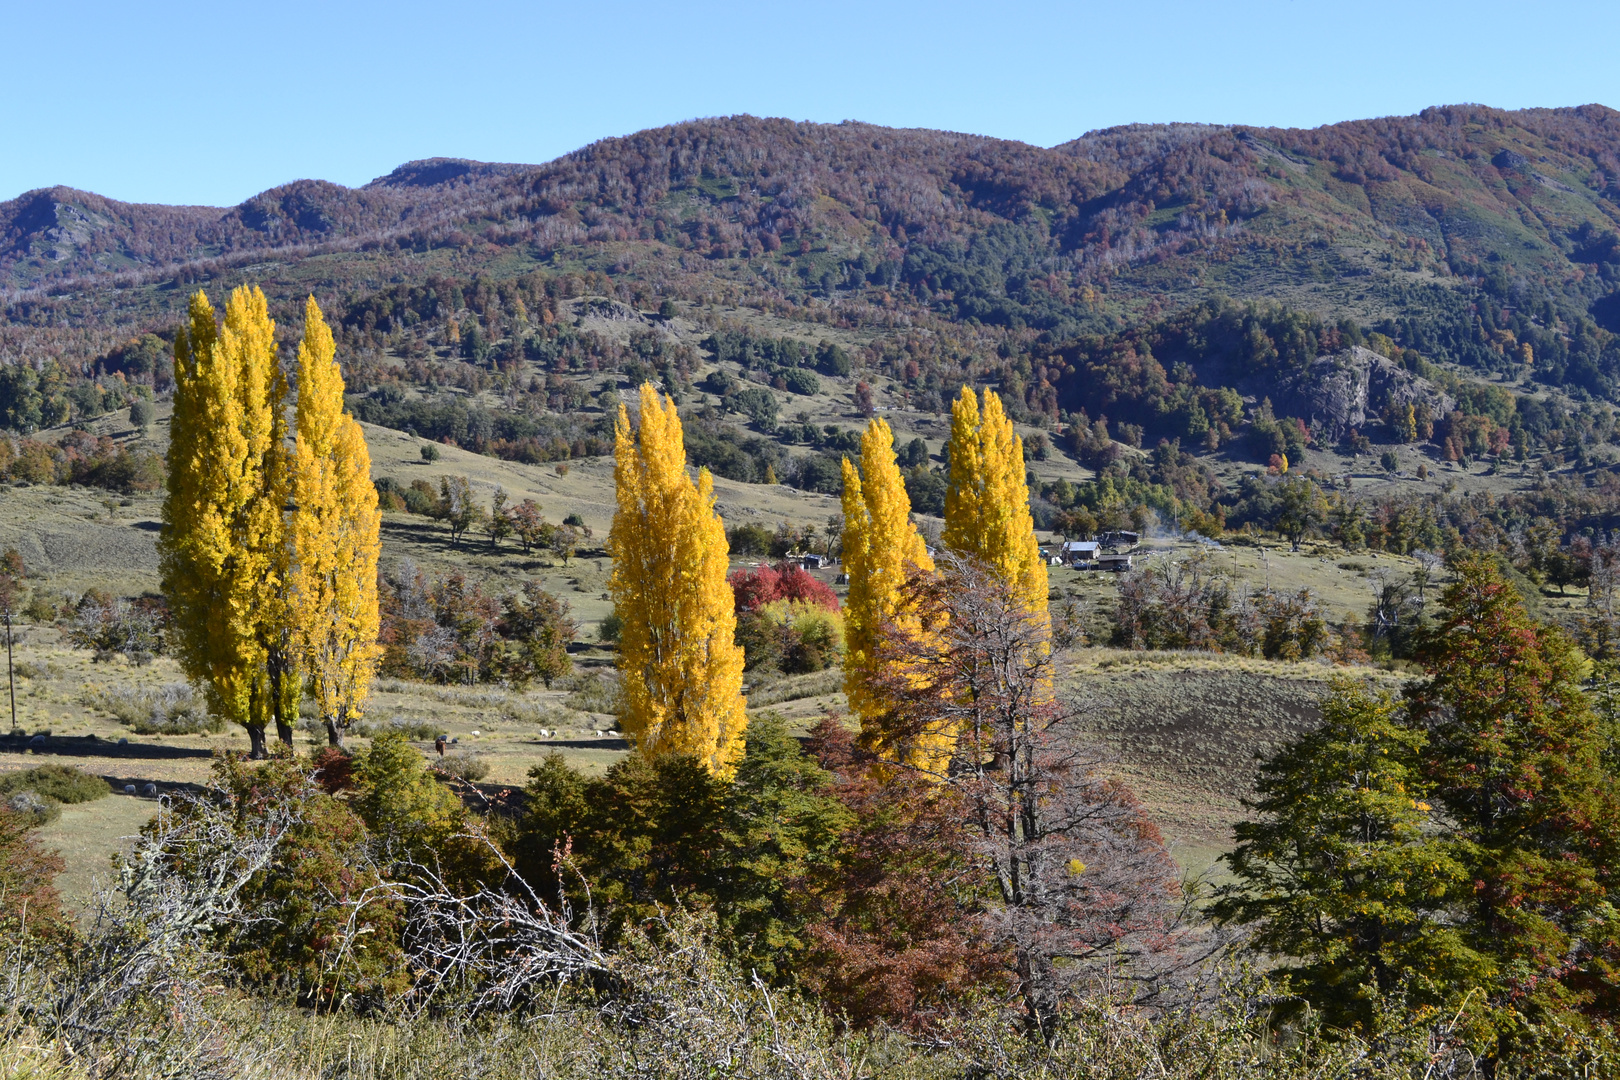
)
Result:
{"points": [[1342, 871], [781, 825], [655, 832], [1501, 903], [1515, 755]]}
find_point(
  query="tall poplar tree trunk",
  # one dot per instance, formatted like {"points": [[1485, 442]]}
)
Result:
{"points": [[278, 704]]}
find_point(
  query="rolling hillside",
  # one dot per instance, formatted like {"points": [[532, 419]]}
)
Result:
{"points": [[1364, 218]]}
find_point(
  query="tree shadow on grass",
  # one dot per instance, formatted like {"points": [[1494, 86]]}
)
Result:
{"points": [[580, 744], [427, 535], [159, 787], [90, 746]]}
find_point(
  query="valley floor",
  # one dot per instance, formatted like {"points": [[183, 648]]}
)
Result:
{"points": [[1183, 729]]}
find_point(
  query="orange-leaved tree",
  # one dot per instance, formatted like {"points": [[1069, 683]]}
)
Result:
{"points": [[681, 665], [1515, 754], [1080, 884], [335, 527]]}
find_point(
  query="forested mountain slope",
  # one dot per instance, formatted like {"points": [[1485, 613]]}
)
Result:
{"points": [[1110, 274], [976, 226]]}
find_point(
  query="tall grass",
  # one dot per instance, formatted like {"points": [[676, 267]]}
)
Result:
{"points": [[794, 687], [171, 709]]}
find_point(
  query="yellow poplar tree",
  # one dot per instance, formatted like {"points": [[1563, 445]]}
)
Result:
{"points": [[335, 530], [191, 550], [880, 541], [276, 695], [223, 547], [681, 665], [987, 503]]}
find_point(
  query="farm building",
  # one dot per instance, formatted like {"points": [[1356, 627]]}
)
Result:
{"points": [[1079, 551]]}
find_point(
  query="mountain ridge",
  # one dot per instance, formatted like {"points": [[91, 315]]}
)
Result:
{"points": [[1122, 166], [1407, 223]]}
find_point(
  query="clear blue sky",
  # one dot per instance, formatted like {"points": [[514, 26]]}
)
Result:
{"points": [[195, 103]]}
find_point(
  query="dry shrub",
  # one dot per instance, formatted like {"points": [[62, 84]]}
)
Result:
{"points": [[414, 730], [466, 766], [171, 709], [595, 691], [63, 783]]}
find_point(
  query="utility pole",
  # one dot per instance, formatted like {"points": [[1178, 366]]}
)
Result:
{"points": [[11, 573], [11, 680]]}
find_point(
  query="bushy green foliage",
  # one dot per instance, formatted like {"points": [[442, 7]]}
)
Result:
{"points": [[64, 783], [1515, 755], [416, 818], [324, 877], [758, 403], [750, 538], [31, 399], [751, 350], [398, 798], [801, 382], [652, 834], [781, 828], [1456, 849], [498, 433], [82, 458], [791, 636], [538, 630], [644, 835], [832, 359], [725, 451], [925, 488], [1341, 872], [146, 359]]}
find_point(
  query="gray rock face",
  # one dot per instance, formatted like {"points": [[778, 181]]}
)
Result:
{"points": [[1344, 391]]}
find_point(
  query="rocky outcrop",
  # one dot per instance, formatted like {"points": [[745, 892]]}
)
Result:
{"points": [[1348, 390]]}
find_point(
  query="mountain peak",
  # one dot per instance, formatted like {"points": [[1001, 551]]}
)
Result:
{"points": [[431, 172]]}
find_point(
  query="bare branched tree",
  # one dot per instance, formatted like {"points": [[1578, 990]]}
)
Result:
{"points": [[495, 949], [1089, 897], [149, 942]]}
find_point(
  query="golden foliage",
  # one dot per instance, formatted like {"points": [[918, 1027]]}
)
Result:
{"points": [[880, 545], [223, 545], [987, 504], [252, 588], [335, 534], [678, 653]]}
